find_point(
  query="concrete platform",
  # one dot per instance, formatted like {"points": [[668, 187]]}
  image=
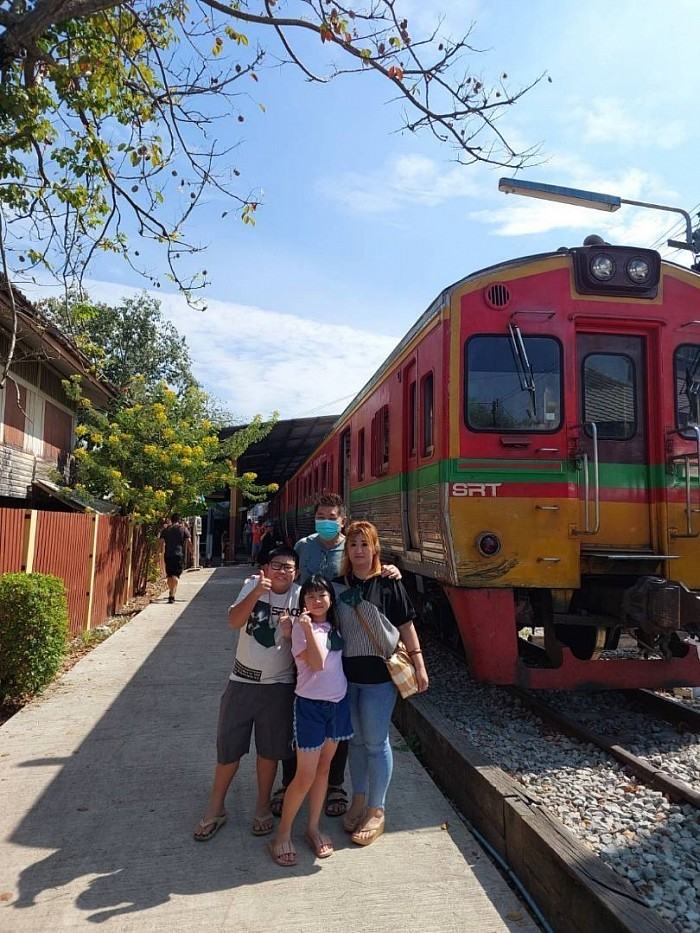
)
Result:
{"points": [[104, 777]]}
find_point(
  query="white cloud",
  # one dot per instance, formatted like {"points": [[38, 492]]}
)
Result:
{"points": [[405, 180], [629, 122], [258, 361], [518, 216]]}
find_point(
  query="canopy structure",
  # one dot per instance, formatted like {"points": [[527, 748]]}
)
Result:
{"points": [[279, 455]]}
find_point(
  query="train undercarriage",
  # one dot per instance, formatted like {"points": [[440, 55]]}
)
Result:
{"points": [[609, 633]]}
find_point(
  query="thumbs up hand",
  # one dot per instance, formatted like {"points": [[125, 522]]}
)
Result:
{"points": [[264, 583]]}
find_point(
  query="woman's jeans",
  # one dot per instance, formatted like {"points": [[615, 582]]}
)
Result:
{"points": [[371, 759]]}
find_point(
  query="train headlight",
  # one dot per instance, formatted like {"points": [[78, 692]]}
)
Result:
{"points": [[488, 543], [617, 271], [602, 267], [638, 270]]}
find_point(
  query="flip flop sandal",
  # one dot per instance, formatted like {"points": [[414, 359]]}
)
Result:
{"points": [[277, 850], [352, 821], [370, 829], [336, 801], [322, 848], [209, 827], [263, 825], [277, 801]]}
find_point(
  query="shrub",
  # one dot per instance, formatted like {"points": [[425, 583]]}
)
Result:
{"points": [[33, 632]]}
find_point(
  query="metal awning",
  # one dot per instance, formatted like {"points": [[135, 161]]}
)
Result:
{"points": [[68, 498], [279, 455]]}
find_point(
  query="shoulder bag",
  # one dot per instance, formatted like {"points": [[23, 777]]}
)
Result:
{"points": [[399, 665]]}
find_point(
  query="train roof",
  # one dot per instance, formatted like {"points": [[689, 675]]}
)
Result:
{"points": [[440, 302], [330, 423], [432, 309]]}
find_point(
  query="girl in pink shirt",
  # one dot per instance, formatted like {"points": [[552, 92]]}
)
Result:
{"points": [[321, 716]]}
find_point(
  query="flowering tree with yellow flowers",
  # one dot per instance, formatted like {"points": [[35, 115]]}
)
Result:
{"points": [[160, 453]]}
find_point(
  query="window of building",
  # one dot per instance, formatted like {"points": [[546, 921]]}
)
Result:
{"points": [[15, 413], [58, 431]]}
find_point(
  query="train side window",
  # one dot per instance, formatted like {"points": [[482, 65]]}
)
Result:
{"points": [[324, 476], [505, 391], [686, 371], [380, 442], [412, 419], [361, 454], [608, 395], [384, 438], [427, 422]]}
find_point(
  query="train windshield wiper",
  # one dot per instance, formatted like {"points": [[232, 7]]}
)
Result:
{"points": [[523, 366], [691, 388]]}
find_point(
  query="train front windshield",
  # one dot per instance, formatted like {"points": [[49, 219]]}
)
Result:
{"points": [[511, 385]]}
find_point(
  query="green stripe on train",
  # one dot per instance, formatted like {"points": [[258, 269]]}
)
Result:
{"points": [[612, 475]]}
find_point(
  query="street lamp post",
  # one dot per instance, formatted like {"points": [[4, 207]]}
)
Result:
{"points": [[596, 201]]}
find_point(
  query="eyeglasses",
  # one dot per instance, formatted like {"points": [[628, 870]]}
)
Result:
{"points": [[285, 568]]}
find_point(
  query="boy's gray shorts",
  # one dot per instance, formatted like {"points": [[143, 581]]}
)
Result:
{"points": [[269, 708]]}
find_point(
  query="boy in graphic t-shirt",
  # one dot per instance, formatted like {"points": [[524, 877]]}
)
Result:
{"points": [[260, 691]]}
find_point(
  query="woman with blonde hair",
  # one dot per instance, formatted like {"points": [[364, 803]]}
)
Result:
{"points": [[375, 612]]}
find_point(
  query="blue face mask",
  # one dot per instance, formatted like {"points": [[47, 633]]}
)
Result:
{"points": [[327, 529]]}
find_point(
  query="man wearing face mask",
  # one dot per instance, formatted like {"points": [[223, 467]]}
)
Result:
{"points": [[321, 553]]}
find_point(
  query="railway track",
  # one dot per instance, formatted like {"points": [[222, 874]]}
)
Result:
{"points": [[682, 717], [572, 823]]}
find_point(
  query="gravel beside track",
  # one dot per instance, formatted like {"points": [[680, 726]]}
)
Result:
{"points": [[636, 830]]}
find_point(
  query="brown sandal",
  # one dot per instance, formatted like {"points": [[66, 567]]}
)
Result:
{"points": [[208, 827], [336, 801], [282, 853], [352, 820], [368, 830], [263, 825], [320, 845], [277, 801]]}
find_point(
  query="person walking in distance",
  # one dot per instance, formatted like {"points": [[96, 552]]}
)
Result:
{"points": [[174, 538]]}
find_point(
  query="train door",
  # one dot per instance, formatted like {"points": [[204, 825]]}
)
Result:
{"points": [[615, 397], [409, 455]]}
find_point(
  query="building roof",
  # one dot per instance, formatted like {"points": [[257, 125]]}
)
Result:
{"points": [[39, 339], [278, 456]]}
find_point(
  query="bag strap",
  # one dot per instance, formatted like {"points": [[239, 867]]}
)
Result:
{"points": [[370, 633], [365, 625]]}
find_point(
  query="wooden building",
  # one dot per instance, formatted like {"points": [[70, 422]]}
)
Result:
{"points": [[37, 419]]}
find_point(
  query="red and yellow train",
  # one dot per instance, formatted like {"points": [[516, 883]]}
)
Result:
{"points": [[530, 453]]}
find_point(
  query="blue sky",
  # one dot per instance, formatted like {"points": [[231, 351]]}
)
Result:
{"points": [[361, 226]]}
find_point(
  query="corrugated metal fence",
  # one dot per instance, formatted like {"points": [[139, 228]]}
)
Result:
{"points": [[101, 558]]}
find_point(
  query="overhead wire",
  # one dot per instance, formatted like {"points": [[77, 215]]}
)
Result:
{"points": [[312, 411], [676, 227]]}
